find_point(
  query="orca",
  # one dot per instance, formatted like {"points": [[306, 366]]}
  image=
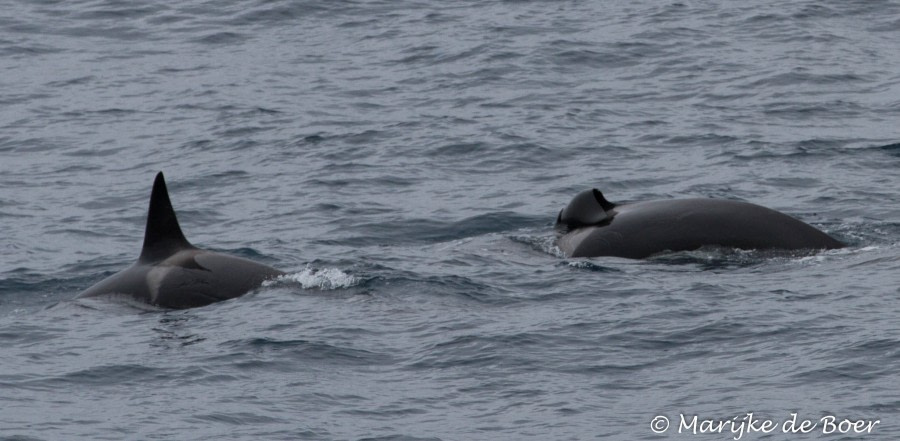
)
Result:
{"points": [[591, 226], [172, 273]]}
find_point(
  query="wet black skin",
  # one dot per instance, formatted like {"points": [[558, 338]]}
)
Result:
{"points": [[591, 226], [172, 273]]}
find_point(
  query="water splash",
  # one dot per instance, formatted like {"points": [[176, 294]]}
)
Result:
{"points": [[544, 243], [312, 278]]}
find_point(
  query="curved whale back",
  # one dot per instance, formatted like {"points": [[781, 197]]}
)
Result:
{"points": [[641, 229], [162, 235]]}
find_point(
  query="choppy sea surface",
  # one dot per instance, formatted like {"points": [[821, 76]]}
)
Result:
{"points": [[404, 161]]}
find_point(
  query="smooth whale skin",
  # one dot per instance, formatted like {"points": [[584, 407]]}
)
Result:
{"points": [[593, 226], [172, 273]]}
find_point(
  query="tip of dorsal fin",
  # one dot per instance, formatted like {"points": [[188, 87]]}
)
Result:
{"points": [[163, 236], [607, 205]]}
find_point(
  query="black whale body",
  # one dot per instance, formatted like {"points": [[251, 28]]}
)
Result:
{"points": [[172, 273], [591, 226]]}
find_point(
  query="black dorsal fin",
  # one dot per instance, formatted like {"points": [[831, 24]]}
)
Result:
{"points": [[163, 236], [587, 208]]}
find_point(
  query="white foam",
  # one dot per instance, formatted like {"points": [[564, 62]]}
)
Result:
{"points": [[311, 278], [546, 244]]}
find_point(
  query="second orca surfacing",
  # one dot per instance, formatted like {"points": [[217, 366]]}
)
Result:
{"points": [[172, 273], [591, 226]]}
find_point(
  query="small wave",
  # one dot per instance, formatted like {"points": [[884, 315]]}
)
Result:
{"points": [[237, 418], [891, 149], [715, 257], [543, 243], [311, 278], [589, 266], [222, 38], [423, 230]]}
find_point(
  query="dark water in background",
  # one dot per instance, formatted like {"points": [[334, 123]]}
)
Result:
{"points": [[405, 161]]}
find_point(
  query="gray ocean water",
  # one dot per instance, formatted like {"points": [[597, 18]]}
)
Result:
{"points": [[405, 161]]}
